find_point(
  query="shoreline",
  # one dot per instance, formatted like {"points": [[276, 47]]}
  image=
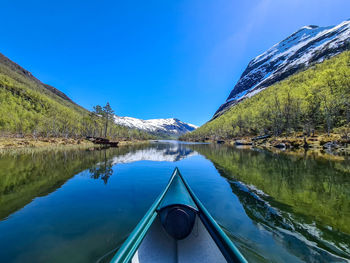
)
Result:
{"points": [[9, 143], [322, 145]]}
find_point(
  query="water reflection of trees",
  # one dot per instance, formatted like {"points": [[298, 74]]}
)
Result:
{"points": [[26, 176], [307, 196], [102, 170], [295, 227]]}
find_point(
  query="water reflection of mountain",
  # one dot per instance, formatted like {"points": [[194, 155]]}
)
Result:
{"points": [[301, 238], [160, 152], [303, 202]]}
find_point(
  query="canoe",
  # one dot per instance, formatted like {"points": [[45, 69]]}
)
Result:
{"points": [[177, 228]]}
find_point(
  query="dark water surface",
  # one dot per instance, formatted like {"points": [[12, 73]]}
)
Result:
{"points": [[78, 205]]}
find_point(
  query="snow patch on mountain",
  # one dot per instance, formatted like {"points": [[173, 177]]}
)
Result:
{"points": [[164, 127], [309, 45]]}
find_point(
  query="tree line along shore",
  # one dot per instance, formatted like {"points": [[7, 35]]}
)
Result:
{"points": [[309, 108]]}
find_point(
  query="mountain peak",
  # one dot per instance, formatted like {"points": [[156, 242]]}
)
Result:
{"points": [[310, 44], [171, 127]]}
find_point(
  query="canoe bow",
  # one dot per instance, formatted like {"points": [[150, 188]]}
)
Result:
{"points": [[177, 195]]}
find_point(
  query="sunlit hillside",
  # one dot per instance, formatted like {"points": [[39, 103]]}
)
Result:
{"points": [[317, 99]]}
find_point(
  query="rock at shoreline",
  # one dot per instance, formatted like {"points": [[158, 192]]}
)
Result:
{"points": [[243, 142], [330, 145], [280, 146]]}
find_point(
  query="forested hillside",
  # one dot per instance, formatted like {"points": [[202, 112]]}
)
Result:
{"points": [[317, 99], [30, 107]]}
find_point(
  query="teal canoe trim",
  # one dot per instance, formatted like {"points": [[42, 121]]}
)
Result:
{"points": [[179, 193], [227, 248], [129, 247]]}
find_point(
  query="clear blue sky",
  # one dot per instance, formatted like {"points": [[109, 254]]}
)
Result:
{"points": [[152, 59]]}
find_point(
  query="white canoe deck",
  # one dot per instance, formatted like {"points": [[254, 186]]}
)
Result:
{"points": [[159, 247]]}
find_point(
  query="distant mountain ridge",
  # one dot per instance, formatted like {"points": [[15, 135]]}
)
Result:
{"points": [[308, 45], [171, 127]]}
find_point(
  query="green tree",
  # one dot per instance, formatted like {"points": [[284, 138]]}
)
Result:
{"points": [[108, 113]]}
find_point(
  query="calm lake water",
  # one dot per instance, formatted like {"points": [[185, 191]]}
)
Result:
{"points": [[79, 205]]}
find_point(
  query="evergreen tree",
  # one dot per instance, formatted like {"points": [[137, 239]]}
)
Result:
{"points": [[108, 113]]}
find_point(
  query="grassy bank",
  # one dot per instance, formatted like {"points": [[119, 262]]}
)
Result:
{"points": [[28, 143], [321, 145], [24, 142]]}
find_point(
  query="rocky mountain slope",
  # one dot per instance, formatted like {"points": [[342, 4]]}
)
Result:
{"points": [[307, 46], [163, 127]]}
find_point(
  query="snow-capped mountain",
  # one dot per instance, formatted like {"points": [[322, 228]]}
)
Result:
{"points": [[309, 45], [164, 127]]}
